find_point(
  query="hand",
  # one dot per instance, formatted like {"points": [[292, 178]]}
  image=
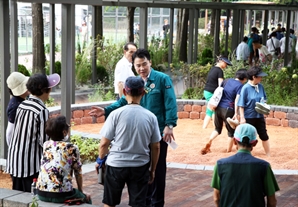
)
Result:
{"points": [[97, 111], [151, 177], [96, 168], [168, 135]]}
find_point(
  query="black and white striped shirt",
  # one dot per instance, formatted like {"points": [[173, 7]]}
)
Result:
{"points": [[25, 149]]}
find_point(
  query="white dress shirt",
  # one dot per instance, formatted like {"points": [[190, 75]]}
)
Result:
{"points": [[122, 71], [270, 46]]}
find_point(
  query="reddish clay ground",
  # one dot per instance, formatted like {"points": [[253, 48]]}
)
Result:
{"points": [[191, 138]]}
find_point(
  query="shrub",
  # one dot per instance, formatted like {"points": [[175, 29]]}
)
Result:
{"points": [[22, 69], [102, 75], [88, 147]]}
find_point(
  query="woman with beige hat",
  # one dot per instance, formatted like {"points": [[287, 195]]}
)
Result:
{"points": [[16, 83]]}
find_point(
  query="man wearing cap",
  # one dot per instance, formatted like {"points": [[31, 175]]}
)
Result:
{"points": [[123, 68], [242, 179], [16, 83], [132, 128], [25, 149], [252, 104], [160, 99]]}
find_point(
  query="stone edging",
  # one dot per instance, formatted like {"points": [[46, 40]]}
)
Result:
{"points": [[187, 109]]}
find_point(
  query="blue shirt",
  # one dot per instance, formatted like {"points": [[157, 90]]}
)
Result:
{"points": [[232, 88], [248, 98], [159, 98]]}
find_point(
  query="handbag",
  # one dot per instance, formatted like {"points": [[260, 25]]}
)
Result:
{"points": [[216, 97], [276, 52]]}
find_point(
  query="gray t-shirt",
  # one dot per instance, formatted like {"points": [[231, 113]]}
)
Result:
{"points": [[133, 128]]}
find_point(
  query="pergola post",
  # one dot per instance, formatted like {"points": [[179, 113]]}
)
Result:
{"points": [[14, 35], [286, 57], [143, 27], [216, 33], [190, 36], [68, 59], [265, 30], [227, 32], [196, 27], [5, 65], [235, 32], [241, 25], [52, 40], [171, 20]]}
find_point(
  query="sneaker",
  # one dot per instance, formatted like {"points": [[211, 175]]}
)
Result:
{"points": [[261, 111], [233, 123], [263, 106]]}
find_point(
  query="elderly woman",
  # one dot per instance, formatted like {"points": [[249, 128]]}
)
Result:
{"points": [[251, 106], [60, 158]]}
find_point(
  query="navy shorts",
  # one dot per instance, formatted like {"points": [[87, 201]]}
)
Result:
{"points": [[260, 125], [221, 115], [136, 179]]}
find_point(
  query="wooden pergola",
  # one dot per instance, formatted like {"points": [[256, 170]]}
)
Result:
{"points": [[9, 37]]}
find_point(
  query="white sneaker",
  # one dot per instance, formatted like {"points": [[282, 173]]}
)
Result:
{"points": [[261, 111], [233, 123], [263, 106]]}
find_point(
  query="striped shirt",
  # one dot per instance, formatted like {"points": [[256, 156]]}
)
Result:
{"points": [[25, 149]]}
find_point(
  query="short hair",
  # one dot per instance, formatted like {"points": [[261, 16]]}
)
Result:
{"points": [[279, 25], [256, 41], [253, 71], [283, 29], [245, 142], [292, 31], [127, 44], [241, 74], [141, 53], [38, 84], [245, 39], [55, 127], [273, 34], [254, 29]]}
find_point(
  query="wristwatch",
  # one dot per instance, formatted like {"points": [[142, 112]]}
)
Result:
{"points": [[170, 126]]}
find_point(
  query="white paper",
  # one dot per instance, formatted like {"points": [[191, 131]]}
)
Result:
{"points": [[172, 144]]}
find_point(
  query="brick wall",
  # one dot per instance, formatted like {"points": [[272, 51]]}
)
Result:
{"points": [[187, 109]]}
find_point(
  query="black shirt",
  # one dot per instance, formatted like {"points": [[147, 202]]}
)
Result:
{"points": [[212, 78]]}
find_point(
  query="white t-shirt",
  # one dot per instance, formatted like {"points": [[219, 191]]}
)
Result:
{"points": [[263, 52], [133, 128], [270, 46], [122, 71], [283, 45]]}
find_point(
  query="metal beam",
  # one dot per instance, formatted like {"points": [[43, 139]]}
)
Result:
{"points": [[67, 59], [83, 2], [5, 71]]}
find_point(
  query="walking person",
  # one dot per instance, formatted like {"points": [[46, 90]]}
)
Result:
{"points": [[160, 99], [227, 108], [214, 79], [132, 129], [242, 179], [25, 148], [243, 51], [252, 94]]}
